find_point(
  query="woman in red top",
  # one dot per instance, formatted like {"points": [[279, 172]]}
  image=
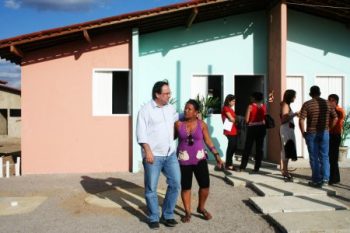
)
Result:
{"points": [[256, 130], [229, 114]]}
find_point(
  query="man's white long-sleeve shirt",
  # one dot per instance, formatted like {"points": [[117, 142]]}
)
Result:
{"points": [[155, 127]]}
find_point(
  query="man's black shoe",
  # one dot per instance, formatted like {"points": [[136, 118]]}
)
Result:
{"points": [[168, 222], [153, 225], [315, 184], [333, 182]]}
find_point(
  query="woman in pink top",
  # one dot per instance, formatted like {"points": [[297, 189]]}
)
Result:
{"points": [[256, 131], [193, 136]]}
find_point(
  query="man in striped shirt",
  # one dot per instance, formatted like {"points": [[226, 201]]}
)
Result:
{"points": [[319, 117]]}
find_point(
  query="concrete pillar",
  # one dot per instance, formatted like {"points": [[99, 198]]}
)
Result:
{"points": [[277, 72]]}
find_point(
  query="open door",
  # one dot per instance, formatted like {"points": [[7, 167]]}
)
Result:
{"points": [[245, 85]]}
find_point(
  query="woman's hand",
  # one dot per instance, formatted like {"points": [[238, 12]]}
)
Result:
{"points": [[219, 162], [271, 97]]}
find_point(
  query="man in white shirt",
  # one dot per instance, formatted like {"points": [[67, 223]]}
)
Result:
{"points": [[155, 134]]}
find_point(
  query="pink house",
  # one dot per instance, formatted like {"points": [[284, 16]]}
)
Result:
{"points": [[59, 132]]}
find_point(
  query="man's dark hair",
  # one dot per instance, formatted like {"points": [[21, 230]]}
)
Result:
{"points": [[288, 96], [228, 99], [157, 88], [194, 103], [335, 97], [315, 91]]}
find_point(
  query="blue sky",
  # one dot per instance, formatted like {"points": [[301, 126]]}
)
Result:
{"points": [[18, 17]]}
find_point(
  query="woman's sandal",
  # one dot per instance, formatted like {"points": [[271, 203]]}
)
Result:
{"points": [[205, 213], [287, 177], [186, 218], [230, 167]]}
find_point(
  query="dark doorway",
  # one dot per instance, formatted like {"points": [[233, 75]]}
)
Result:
{"points": [[3, 121], [215, 90], [245, 85], [120, 92]]}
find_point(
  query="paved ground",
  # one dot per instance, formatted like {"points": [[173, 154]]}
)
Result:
{"points": [[295, 206], [65, 209], [342, 189], [114, 202]]}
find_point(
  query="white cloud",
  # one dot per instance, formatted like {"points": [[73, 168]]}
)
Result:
{"points": [[10, 73], [12, 4], [56, 5], [3, 61]]}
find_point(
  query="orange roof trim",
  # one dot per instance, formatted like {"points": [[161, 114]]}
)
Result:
{"points": [[103, 22]]}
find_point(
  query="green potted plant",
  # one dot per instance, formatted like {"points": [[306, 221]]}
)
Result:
{"points": [[345, 134], [207, 105]]}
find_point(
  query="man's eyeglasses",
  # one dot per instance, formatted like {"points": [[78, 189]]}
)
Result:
{"points": [[166, 93], [190, 140]]}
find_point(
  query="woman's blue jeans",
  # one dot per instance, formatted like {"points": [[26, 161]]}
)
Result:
{"points": [[318, 147], [169, 166]]}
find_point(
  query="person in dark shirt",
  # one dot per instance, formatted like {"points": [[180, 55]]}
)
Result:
{"points": [[334, 140]]}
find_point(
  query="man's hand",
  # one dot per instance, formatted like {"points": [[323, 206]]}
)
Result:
{"points": [[148, 153], [149, 158]]}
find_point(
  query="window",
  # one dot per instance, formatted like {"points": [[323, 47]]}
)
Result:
{"points": [[15, 112], [207, 85], [330, 85], [110, 92]]}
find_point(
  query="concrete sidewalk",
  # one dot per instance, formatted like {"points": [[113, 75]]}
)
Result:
{"points": [[295, 206], [114, 202]]}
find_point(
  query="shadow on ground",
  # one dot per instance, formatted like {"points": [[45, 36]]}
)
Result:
{"points": [[129, 196]]}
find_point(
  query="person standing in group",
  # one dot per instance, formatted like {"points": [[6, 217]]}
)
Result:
{"points": [[193, 136], [320, 116], [229, 115], [256, 130], [334, 140], [287, 134], [155, 134]]}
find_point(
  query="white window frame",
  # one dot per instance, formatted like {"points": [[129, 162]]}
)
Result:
{"points": [[206, 84], [98, 112], [342, 77]]}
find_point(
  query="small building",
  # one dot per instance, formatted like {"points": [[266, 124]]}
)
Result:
{"points": [[83, 84], [10, 111]]}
